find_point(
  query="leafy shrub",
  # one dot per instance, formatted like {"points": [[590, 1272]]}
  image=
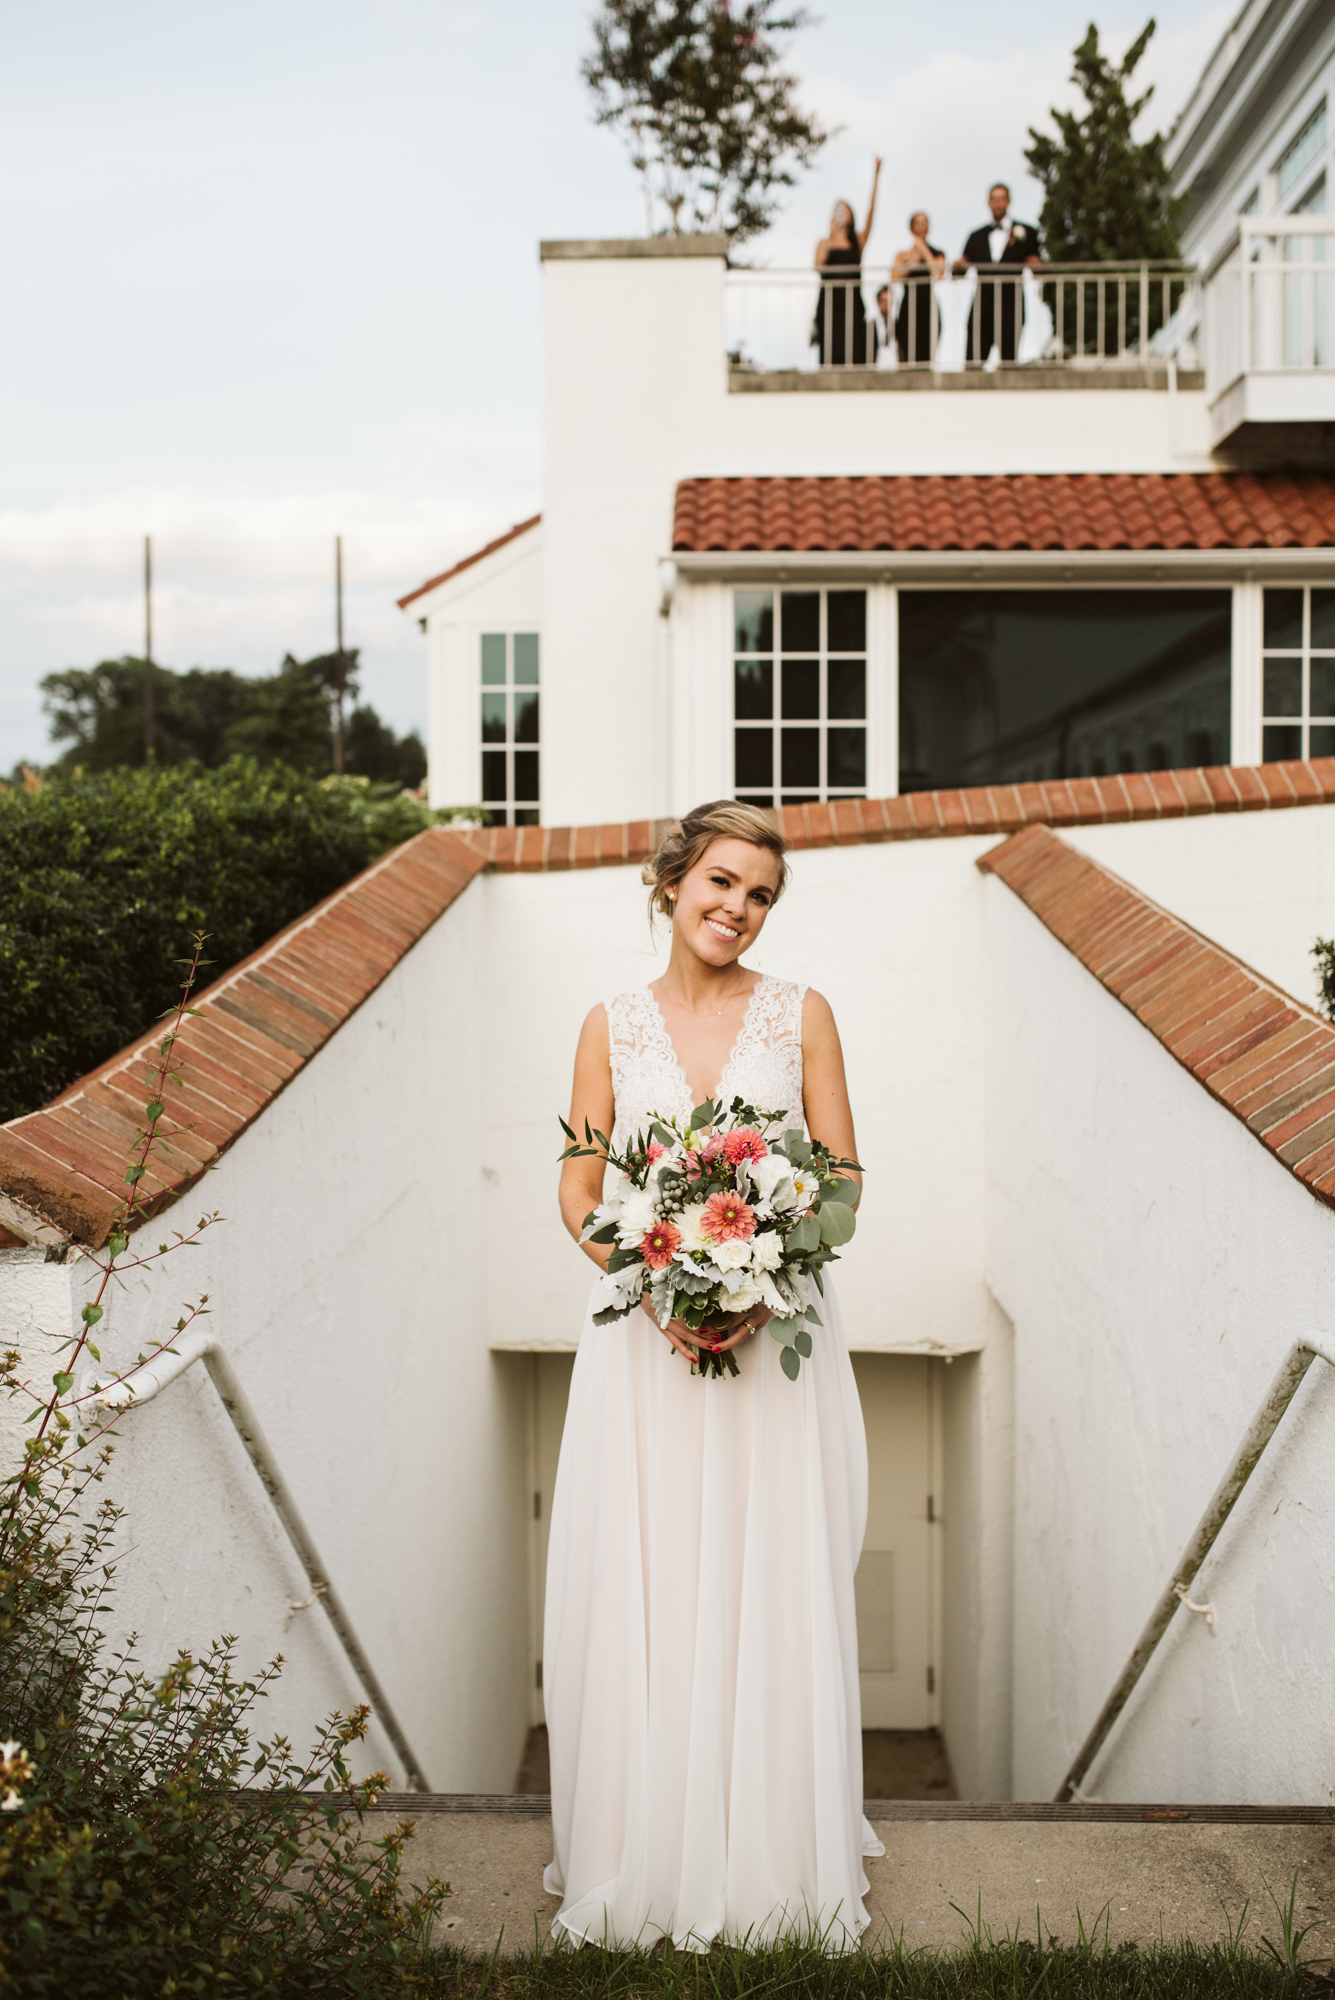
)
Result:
{"points": [[132, 1861], [1323, 951], [106, 878]]}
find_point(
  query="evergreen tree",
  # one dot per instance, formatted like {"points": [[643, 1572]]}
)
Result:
{"points": [[1105, 194], [710, 118]]}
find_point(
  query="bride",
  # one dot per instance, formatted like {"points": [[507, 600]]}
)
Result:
{"points": [[700, 1652]]}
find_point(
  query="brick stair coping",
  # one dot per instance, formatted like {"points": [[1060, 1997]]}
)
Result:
{"points": [[1134, 795], [62, 1167], [537, 1805], [1261, 1053]]}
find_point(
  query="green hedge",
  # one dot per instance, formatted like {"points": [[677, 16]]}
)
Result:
{"points": [[104, 879]]}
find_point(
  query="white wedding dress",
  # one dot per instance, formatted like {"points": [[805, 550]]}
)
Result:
{"points": [[700, 1655]]}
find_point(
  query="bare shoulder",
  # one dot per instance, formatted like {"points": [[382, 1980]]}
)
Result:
{"points": [[595, 1035], [817, 1017]]}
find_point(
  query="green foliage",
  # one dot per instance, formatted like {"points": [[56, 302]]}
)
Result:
{"points": [[711, 119], [106, 880], [1323, 951], [885, 1969], [1106, 194], [132, 1861], [211, 714]]}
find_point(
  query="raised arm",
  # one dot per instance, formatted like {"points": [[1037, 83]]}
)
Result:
{"points": [[863, 234], [824, 1086], [590, 1097]]}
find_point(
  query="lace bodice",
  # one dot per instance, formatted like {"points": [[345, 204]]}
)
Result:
{"points": [[765, 1066]]}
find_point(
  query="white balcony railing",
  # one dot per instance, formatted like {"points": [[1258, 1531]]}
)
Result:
{"points": [[1059, 315], [1268, 306]]}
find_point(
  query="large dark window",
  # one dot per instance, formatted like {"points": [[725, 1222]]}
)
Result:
{"points": [[999, 686]]}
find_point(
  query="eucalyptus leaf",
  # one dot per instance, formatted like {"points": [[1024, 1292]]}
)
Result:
{"points": [[802, 1342], [797, 1148], [784, 1331], [814, 1316], [804, 1235], [837, 1222], [790, 1362], [843, 1190]]}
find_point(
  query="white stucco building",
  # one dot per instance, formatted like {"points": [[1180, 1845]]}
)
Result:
{"points": [[1073, 618]]}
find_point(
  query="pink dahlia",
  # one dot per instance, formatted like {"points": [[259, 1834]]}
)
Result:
{"points": [[744, 1144], [658, 1244], [725, 1217]]}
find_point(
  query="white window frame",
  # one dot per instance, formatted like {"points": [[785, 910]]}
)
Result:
{"points": [[509, 688]]}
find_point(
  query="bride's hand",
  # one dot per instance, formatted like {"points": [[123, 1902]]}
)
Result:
{"points": [[686, 1339], [741, 1326]]}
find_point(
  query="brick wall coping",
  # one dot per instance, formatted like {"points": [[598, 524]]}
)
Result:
{"points": [[1258, 1051], [1136, 795], [62, 1167]]}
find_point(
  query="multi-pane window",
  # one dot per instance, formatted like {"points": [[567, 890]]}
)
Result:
{"points": [[1299, 674], [1306, 145], [510, 728], [799, 695]]}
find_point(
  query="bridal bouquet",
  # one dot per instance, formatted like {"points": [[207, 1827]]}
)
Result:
{"points": [[717, 1217]]}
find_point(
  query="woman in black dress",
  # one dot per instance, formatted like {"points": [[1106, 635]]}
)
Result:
{"points": [[840, 330], [914, 269]]}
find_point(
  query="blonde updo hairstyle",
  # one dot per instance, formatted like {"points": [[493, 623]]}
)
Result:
{"points": [[690, 837]]}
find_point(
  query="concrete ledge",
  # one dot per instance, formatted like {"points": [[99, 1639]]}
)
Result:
{"points": [[607, 248], [1146, 1881], [901, 381]]}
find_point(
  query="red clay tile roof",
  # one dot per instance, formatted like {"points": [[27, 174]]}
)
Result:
{"points": [[1088, 510], [255, 1028], [1269, 1059], [510, 535]]}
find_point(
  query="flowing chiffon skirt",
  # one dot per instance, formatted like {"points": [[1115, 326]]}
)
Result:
{"points": [[700, 1654]]}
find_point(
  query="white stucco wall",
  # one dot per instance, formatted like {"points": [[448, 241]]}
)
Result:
{"points": [[346, 1284], [1157, 1263]]}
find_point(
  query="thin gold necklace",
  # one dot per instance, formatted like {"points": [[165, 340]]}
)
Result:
{"points": [[720, 1010]]}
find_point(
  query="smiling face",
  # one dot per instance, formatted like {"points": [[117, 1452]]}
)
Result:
{"points": [[999, 200], [721, 904]]}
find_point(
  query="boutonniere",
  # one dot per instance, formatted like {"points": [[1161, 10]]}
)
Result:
{"points": [[1018, 232]]}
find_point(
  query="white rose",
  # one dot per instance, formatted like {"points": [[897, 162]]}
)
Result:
{"points": [[745, 1293], [734, 1255], [766, 1174], [639, 1211], [767, 1250], [688, 1222]]}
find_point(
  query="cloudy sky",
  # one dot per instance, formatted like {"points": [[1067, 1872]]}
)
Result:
{"points": [[271, 275]]}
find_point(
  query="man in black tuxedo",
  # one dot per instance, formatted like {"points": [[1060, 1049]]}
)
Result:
{"points": [[1000, 243]]}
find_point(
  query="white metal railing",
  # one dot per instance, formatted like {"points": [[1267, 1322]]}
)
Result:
{"points": [[1270, 306], [149, 1379], [1064, 315], [1177, 1592]]}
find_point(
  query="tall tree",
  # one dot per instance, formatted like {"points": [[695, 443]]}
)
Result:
{"points": [[710, 116], [1106, 194], [209, 714]]}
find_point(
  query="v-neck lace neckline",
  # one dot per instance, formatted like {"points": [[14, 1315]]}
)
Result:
{"points": [[716, 1093]]}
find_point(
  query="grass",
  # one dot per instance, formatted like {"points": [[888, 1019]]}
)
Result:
{"points": [[984, 1970]]}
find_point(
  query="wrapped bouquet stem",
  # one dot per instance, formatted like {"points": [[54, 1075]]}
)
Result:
{"points": [[717, 1217]]}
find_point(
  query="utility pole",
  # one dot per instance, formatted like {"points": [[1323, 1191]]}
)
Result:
{"points": [[342, 665], [150, 750]]}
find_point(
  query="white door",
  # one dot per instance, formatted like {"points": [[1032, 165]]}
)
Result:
{"points": [[898, 1578]]}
